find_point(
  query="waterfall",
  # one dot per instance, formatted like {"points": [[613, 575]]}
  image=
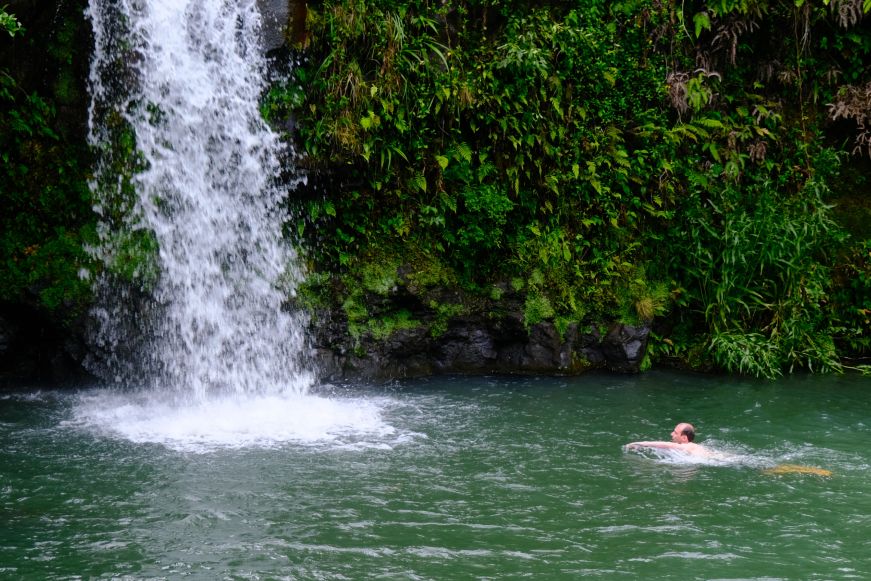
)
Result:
{"points": [[185, 79]]}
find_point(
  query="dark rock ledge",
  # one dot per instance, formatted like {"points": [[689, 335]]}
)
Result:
{"points": [[37, 352], [478, 345]]}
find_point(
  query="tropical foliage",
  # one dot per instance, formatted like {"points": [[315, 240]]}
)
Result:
{"points": [[615, 160], [46, 214]]}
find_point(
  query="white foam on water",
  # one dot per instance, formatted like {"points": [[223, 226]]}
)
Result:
{"points": [[717, 456], [232, 422], [720, 454]]}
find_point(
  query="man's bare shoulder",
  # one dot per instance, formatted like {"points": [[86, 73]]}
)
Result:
{"points": [[686, 448], [694, 449]]}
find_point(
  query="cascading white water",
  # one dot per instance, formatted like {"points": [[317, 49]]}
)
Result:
{"points": [[213, 358], [187, 77]]}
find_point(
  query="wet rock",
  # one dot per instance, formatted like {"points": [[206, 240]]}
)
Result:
{"points": [[282, 20], [479, 344], [274, 15], [464, 348], [624, 347], [36, 351]]}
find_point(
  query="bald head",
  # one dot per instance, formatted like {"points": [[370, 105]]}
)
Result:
{"points": [[683, 433]]}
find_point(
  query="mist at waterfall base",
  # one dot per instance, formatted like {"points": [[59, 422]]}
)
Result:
{"points": [[211, 357]]}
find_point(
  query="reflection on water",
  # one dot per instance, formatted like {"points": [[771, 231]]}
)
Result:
{"points": [[440, 479]]}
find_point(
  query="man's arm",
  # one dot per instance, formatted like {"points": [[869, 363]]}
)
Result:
{"points": [[634, 445]]}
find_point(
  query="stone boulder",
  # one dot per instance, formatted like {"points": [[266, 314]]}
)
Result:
{"points": [[282, 20], [274, 16], [624, 347]]}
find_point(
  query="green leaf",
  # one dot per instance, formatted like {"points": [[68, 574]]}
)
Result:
{"points": [[702, 22], [710, 123], [556, 106], [442, 160], [419, 182], [597, 185], [465, 152], [715, 153]]}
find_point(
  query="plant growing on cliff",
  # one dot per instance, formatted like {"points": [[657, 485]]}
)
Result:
{"points": [[618, 151], [46, 216], [515, 160], [9, 23], [757, 262]]}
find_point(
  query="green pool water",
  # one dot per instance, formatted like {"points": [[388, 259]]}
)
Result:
{"points": [[443, 478]]}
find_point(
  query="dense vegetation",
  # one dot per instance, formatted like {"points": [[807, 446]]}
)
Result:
{"points": [[46, 203], [699, 165]]}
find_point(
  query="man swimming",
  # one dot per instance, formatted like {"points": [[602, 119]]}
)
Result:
{"points": [[681, 440]]}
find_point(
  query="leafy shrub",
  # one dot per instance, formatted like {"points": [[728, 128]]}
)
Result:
{"points": [[46, 219]]}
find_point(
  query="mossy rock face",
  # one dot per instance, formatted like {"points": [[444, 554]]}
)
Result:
{"points": [[624, 347], [395, 314], [401, 336]]}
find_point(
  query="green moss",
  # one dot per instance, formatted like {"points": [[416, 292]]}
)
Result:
{"points": [[427, 271], [357, 315], [384, 327], [135, 258], [379, 275], [314, 292], [562, 324], [536, 309], [443, 314]]}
